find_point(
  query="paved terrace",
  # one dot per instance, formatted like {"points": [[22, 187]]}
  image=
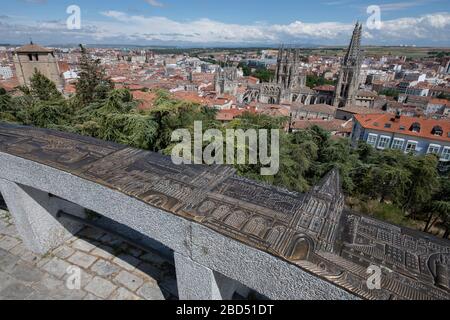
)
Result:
{"points": [[224, 232], [110, 269]]}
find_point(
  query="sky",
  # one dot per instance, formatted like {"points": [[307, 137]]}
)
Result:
{"points": [[226, 23]]}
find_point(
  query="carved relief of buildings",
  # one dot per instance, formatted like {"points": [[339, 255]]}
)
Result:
{"points": [[313, 231]]}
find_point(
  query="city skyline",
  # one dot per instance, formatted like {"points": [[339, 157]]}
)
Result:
{"points": [[207, 23]]}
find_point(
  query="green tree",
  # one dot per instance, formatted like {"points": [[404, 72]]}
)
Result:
{"points": [[390, 93], [117, 119], [314, 81], [425, 182], [439, 208], [260, 72], [245, 69], [42, 88], [443, 96], [93, 83], [7, 107], [48, 114], [170, 114], [5, 100], [263, 74]]}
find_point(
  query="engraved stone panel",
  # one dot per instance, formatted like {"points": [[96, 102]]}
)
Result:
{"points": [[309, 230]]}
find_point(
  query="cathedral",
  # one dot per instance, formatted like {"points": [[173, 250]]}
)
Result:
{"points": [[289, 83]]}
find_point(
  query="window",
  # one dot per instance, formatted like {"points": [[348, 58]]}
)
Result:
{"points": [[384, 142], [372, 139], [434, 148], [437, 131], [415, 127], [398, 144], [411, 146], [446, 154]]}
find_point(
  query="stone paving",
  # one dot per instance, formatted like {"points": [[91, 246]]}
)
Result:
{"points": [[110, 269]]}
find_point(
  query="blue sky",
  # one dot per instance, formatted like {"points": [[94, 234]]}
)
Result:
{"points": [[242, 22]]}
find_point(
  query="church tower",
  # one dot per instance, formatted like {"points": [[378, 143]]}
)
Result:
{"points": [[288, 73], [32, 57], [348, 83]]}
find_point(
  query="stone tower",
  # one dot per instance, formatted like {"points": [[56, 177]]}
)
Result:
{"points": [[289, 79], [288, 74], [32, 57], [226, 80], [349, 75]]}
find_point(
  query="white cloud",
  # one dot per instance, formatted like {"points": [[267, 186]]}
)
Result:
{"points": [[154, 3], [431, 27], [121, 27]]}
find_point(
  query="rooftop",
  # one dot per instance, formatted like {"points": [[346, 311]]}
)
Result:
{"points": [[322, 108], [146, 99], [229, 114], [444, 102], [33, 48], [365, 93], [357, 110], [328, 125], [404, 125], [326, 87]]}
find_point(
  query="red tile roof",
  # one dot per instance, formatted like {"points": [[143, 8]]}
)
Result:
{"points": [[358, 109], [10, 85], [33, 48], [422, 85], [441, 89], [365, 93], [253, 80], [325, 87], [319, 108], [229, 115], [70, 88], [146, 99], [443, 102], [328, 125], [63, 66], [379, 121], [191, 97]]}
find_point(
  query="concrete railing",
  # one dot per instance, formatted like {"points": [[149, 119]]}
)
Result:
{"points": [[225, 232]]}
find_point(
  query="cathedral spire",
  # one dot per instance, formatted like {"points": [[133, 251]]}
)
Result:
{"points": [[349, 76], [355, 45]]}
